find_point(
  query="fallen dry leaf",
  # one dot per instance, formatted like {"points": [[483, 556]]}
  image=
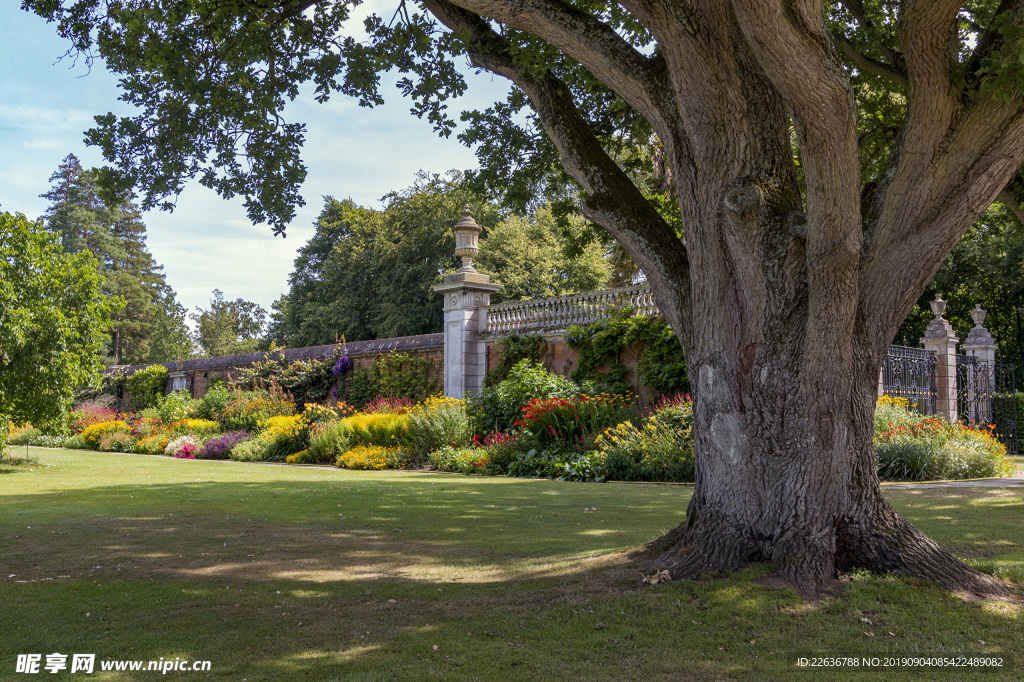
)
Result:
{"points": [[659, 577]]}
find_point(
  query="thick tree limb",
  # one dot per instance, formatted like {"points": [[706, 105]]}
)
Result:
{"points": [[613, 202], [922, 222], [867, 64], [794, 48], [952, 158], [636, 78], [1011, 204], [924, 32]]}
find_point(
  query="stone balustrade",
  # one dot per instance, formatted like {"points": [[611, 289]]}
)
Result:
{"points": [[560, 312]]}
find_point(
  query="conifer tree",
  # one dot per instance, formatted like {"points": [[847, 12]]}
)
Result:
{"points": [[116, 236]]}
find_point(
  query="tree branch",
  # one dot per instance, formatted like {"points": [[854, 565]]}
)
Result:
{"points": [[866, 63], [596, 45], [613, 202], [1011, 203], [856, 10]]}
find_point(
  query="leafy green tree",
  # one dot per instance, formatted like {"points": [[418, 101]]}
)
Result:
{"points": [[530, 258], [229, 327], [796, 264], [54, 317], [367, 274]]}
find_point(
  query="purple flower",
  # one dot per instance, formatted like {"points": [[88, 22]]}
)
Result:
{"points": [[343, 365], [220, 448]]}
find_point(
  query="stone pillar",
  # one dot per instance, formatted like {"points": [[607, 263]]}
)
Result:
{"points": [[939, 337], [467, 295], [982, 347]]}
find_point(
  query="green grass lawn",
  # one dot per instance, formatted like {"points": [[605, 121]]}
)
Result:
{"points": [[289, 573]]}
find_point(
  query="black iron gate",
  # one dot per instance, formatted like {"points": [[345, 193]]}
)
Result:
{"points": [[910, 373], [986, 396]]}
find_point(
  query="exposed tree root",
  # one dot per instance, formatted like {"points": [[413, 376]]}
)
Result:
{"points": [[883, 543]]}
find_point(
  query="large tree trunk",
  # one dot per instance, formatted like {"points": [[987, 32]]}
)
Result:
{"points": [[785, 297], [786, 474]]}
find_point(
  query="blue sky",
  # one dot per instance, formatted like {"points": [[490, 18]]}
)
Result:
{"points": [[207, 243]]}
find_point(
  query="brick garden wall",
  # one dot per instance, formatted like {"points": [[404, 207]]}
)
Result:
{"points": [[561, 359], [196, 376]]}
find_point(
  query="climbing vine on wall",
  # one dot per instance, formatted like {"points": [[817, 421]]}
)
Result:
{"points": [[661, 365], [306, 381], [514, 348], [395, 375]]}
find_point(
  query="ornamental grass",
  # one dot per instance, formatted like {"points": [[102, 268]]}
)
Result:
{"points": [[436, 422], [914, 447]]}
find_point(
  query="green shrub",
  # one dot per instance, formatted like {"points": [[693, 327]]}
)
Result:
{"points": [[395, 375], [569, 423], [117, 441], [146, 386], [657, 451], [153, 445], [660, 449], [437, 422], [48, 440], [373, 457], [914, 447], [76, 442], [383, 429], [564, 466], [515, 348], [286, 443], [460, 459], [193, 427], [660, 365], [502, 449], [249, 451], [327, 443], [302, 457], [24, 436], [176, 406], [213, 403], [248, 409], [94, 433], [498, 407], [307, 381]]}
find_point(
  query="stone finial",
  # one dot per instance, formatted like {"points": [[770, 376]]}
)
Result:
{"points": [[939, 327], [979, 340], [978, 315], [467, 239]]}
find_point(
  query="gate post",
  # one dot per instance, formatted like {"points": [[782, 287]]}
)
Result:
{"points": [[940, 339], [467, 295], [982, 347]]}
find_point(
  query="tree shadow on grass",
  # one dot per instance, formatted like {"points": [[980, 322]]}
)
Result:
{"points": [[333, 530], [360, 577]]}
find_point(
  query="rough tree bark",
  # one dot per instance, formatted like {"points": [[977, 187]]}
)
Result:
{"points": [[785, 303]]}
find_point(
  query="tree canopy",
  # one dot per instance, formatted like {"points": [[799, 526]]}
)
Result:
{"points": [[534, 257], [229, 327], [824, 158], [367, 274], [54, 320]]}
